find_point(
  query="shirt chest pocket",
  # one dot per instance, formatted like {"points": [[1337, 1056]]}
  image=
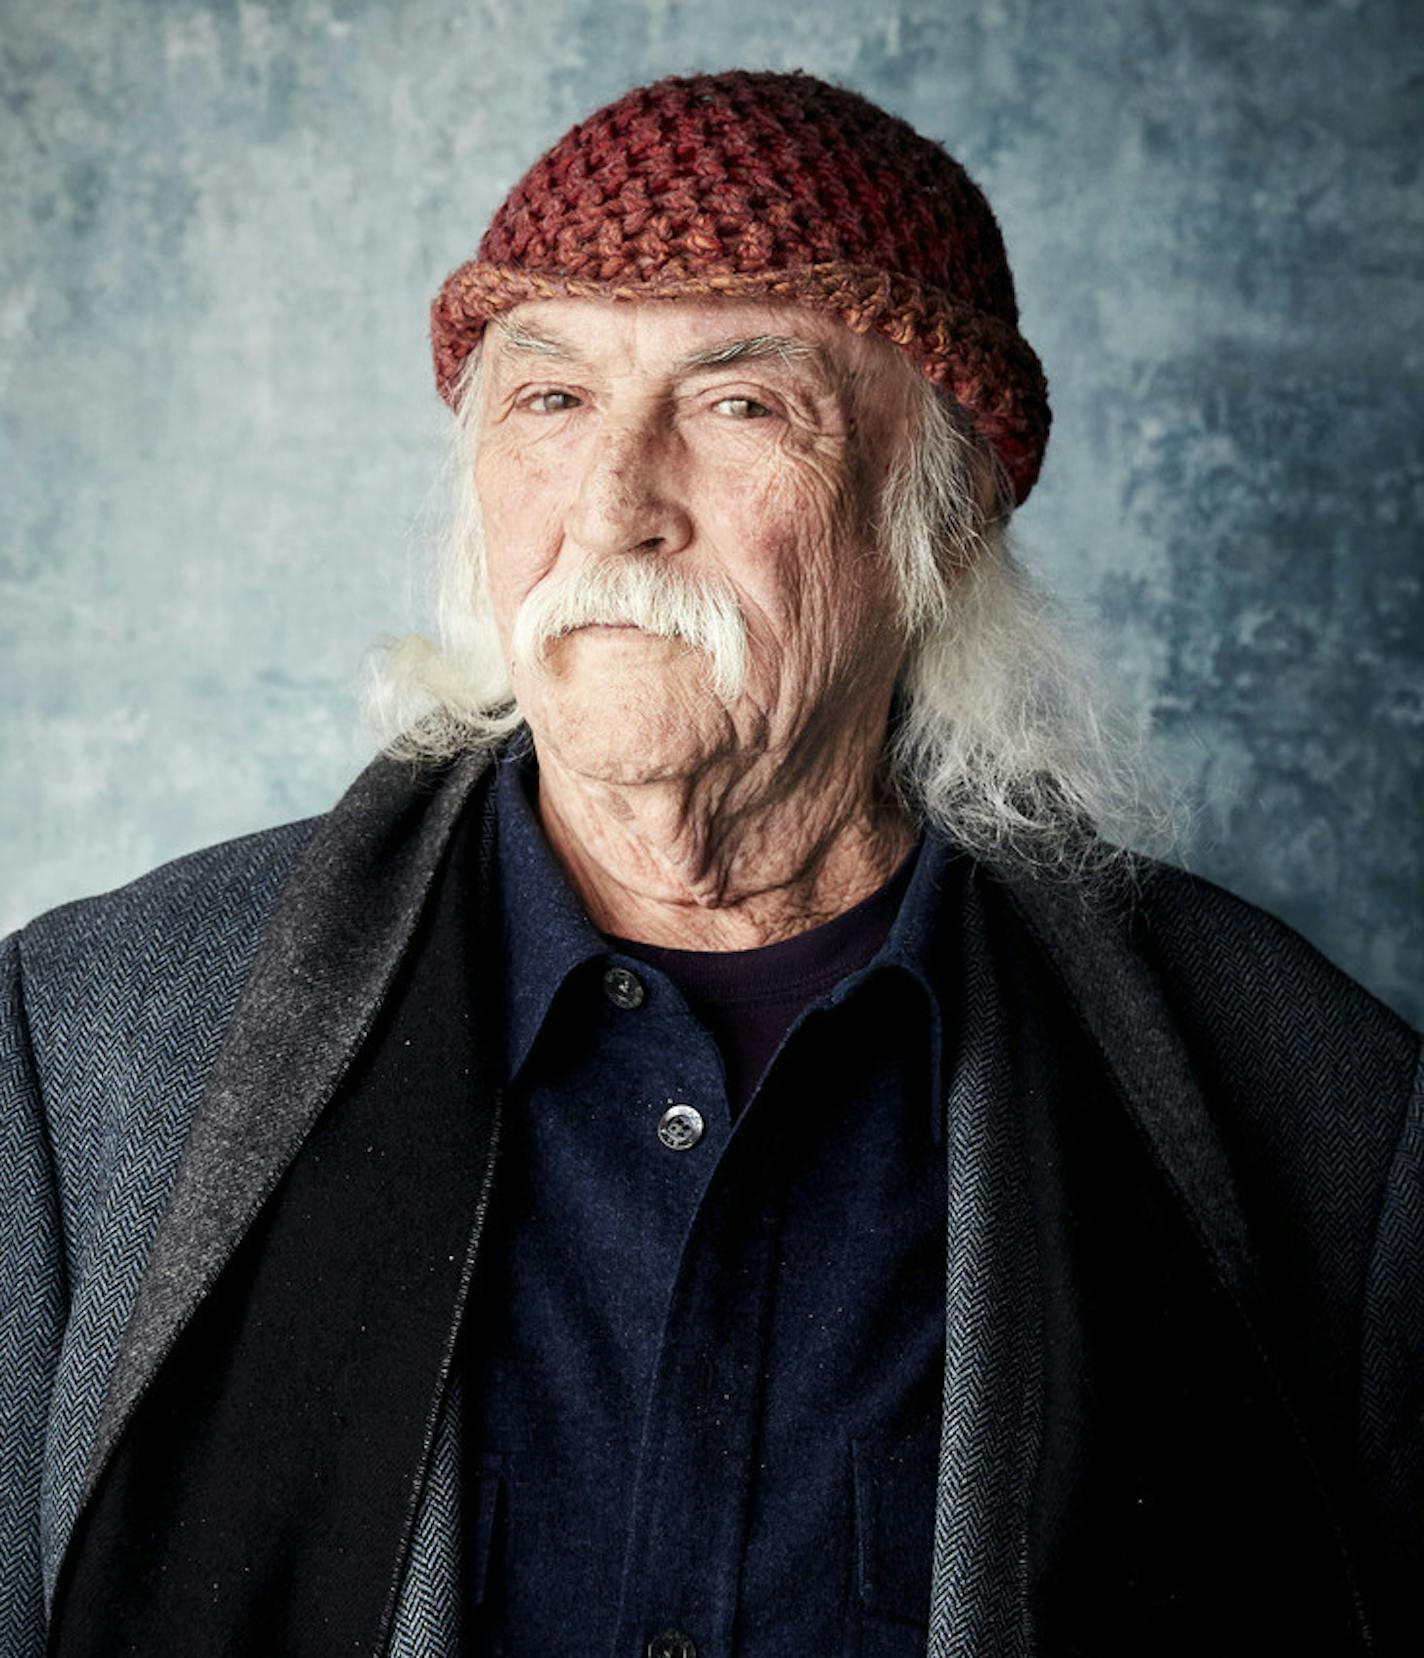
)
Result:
{"points": [[893, 1484], [486, 1505]]}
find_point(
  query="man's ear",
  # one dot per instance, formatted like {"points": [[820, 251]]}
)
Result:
{"points": [[993, 488]]}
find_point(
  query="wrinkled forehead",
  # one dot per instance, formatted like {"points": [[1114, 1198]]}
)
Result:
{"points": [[684, 335]]}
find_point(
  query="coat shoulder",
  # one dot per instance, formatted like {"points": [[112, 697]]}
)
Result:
{"points": [[110, 983], [1308, 1075], [1237, 967], [219, 890]]}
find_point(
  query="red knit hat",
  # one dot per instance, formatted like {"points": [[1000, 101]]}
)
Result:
{"points": [[753, 185]]}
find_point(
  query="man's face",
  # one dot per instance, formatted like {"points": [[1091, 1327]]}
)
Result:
{"points": [[679, 432]]}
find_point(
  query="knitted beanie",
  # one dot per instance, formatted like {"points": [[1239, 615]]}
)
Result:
{"points": [[767, 186]]}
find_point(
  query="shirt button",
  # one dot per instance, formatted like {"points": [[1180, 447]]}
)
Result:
{"points": [[679, 1127], [622, 988], [672, 1643]]}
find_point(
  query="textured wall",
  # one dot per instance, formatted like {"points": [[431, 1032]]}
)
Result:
{"points": [[222, 224]]}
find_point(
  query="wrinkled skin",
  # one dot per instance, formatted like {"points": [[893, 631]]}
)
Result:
{"points": [[681, 819]]}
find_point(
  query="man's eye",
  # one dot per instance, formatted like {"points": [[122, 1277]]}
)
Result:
{"points": [[550, 402], [743, 408]]}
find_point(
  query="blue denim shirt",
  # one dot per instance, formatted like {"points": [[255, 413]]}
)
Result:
{"points": [[706, 1398]]}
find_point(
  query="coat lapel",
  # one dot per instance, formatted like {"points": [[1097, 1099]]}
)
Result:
{"points": [[332, 950], [1132, 1275], [1121, 1007], [1096, 949]]}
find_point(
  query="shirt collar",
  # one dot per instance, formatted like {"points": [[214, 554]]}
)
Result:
{"points": [[918, 945], [548, 934]]}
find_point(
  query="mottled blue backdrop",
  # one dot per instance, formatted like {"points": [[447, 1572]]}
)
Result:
{"points": [[223, 223]]}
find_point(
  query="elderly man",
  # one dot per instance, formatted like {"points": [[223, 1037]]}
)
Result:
{"points": [[509, 1214]]}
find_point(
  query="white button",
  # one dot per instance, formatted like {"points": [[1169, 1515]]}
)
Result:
{"points": [[679, 1127], [672, 1643]]}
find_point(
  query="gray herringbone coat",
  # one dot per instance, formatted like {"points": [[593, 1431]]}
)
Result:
{"points": [[165, 1048]]}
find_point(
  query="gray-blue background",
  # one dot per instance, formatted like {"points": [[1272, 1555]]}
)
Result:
{"points": [[222, 225]]}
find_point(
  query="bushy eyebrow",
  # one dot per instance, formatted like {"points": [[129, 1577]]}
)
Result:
{"points": [[526, 340], [755, 347], [748, 348]]}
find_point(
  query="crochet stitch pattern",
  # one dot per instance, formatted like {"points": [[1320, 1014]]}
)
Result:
{"points": [[761, 185]]}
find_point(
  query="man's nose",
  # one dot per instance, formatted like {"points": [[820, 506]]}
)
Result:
{"points": [[627, 500]]}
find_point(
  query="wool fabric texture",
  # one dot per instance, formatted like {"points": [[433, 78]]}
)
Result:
{"points": [[767, 186]]}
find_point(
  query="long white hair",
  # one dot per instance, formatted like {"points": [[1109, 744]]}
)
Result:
{"points": [[1003, 732]]}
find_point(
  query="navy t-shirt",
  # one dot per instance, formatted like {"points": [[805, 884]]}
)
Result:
{"points": [[703, 1357]]}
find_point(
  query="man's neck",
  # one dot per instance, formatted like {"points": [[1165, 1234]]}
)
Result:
{"points": [[699, 863]]}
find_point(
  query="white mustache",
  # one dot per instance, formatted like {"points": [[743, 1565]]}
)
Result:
{"points": [[647, 593]]}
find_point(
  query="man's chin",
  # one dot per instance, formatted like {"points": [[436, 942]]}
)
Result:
{"points": [[626, 736], [624, 764], [626, 718]]}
